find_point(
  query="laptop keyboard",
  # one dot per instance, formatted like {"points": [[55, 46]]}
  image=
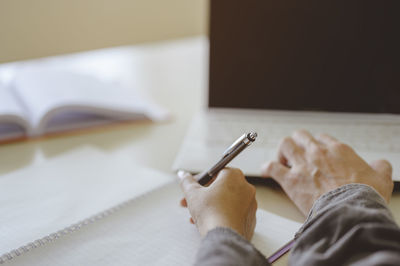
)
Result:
{"points": [[375, 136]]}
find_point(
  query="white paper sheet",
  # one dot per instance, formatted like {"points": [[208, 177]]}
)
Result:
{"points": [[42, 199], [44, 90], [152, 230], [12, 122], [8, 104]]}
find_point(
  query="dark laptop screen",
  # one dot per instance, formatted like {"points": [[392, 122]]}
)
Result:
{"points": [[333, 55]]}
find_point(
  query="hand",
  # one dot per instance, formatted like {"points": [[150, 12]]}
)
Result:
{"points": [[228, 202], [309, 167]]}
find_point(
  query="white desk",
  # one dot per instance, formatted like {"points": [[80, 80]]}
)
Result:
{"points": [[172, 73]]}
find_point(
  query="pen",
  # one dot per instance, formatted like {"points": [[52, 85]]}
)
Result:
{"points": [[280, 252], [238, 146]]}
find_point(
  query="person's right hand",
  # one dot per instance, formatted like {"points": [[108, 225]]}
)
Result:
{"points": [[229, 201], [309, 167]]}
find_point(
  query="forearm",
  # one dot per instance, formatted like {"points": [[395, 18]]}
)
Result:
{"points": [[349, 225]]}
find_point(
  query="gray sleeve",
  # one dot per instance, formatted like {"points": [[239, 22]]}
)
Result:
{"points": [[349, 225], [223, 246]]}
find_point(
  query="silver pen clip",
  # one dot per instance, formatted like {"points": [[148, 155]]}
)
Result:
{"points": [[245, 138], [237, 147], [234, 145]]}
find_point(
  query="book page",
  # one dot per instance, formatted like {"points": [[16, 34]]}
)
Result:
{"points": [[151, 230], [48, 93], [42, 199], [12, 116]]}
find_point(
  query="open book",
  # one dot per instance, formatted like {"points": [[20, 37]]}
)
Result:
{"points": [[105, 211], [44, 101]]}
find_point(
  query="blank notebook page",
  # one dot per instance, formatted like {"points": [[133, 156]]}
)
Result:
{"points": [[150, 230], [44, 198]]}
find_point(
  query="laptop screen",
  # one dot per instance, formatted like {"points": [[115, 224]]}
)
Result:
{"points": [[333, 55]]}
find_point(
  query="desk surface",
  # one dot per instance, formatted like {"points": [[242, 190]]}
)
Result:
{"points": [[174, 74]]}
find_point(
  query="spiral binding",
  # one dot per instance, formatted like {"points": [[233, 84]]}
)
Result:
{"points": [[68, 230]]}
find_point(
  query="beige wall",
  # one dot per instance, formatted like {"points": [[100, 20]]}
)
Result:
{"points": [[36, 28]]}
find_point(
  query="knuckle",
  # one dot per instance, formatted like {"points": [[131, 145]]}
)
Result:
{"points": [[341, 147], [231, 174], [237, 171], [316, 150], [298, 132], [232, 171], [291, 181], [285, 141], [388, 164], [325, 136], [389, 170], [224, 172]]}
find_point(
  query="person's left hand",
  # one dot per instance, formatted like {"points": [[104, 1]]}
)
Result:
{"points": [[227, 202], [309, 167]]}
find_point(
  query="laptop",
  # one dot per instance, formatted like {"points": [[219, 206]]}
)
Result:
{"points": [[277, 66]]}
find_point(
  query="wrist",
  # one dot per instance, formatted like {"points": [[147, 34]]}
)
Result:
{"points": [[354, 194], [216, 222]]}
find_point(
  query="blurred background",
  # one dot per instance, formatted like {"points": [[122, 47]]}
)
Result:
{"points": [[32, 29]]}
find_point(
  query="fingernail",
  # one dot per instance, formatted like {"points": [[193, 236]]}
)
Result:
{"points": [[181, 174]]}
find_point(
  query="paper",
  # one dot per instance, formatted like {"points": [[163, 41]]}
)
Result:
{"points": [[12, 124], [40, 200], [9, 105], [46, 92], [373, 137], [151, 230]]}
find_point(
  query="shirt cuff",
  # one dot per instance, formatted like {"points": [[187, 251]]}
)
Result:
{"points": [[223, 246], [360, 195]]}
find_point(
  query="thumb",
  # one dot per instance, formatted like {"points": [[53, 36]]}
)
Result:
{"points": [[382, 167], [188, 183], [275, 170]]}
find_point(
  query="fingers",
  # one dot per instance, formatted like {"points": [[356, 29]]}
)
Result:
{"points": [[251, 220], [228, 174], [292, 149], [289, 152], [183, 202], [384, 170], [326, 139], [275, 170], [188, 183], [304, 139], [382, 167]]}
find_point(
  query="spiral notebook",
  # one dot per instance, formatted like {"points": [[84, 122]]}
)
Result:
{"points": [[122, 215]]}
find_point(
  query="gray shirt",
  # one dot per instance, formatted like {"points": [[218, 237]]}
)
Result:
{"points": [[350, 225]]}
